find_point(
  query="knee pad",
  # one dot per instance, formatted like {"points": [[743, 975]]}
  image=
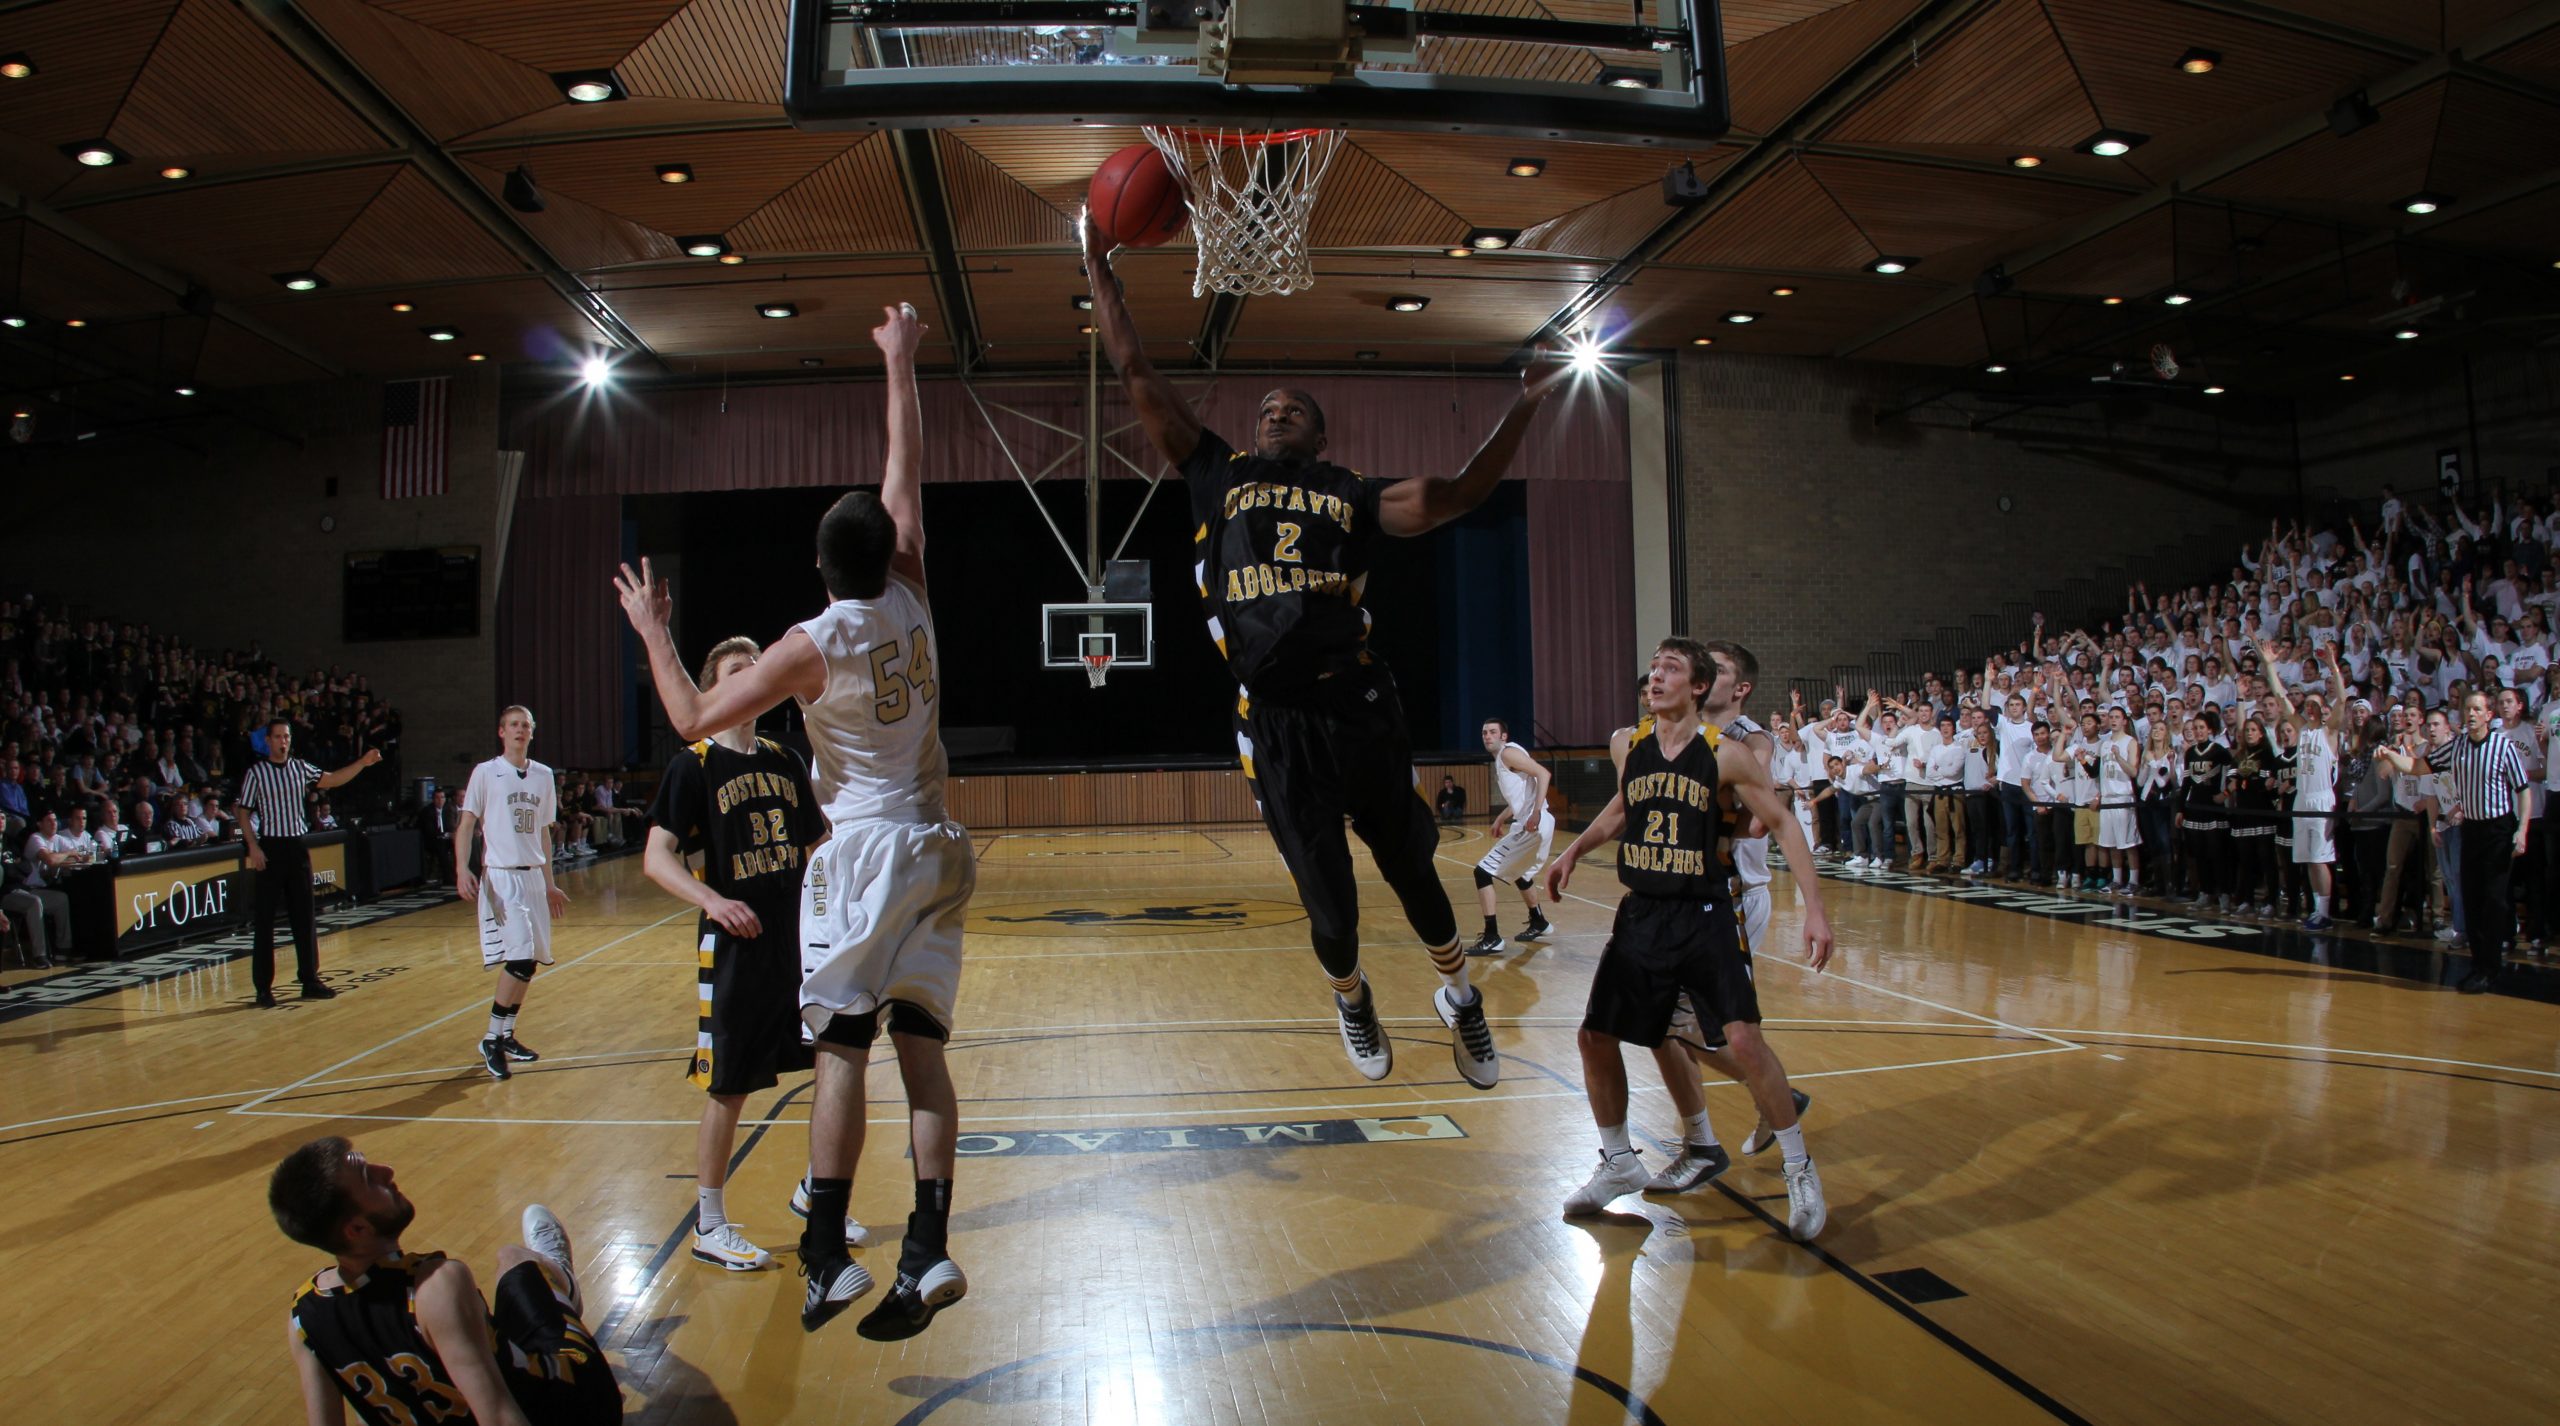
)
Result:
{"points": [[523, 970], [1483, 879], [1523, 883]]}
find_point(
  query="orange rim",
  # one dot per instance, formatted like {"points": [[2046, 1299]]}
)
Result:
{"points": [[1219, 138]]}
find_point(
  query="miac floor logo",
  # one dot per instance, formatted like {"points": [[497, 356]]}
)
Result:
{"points": [[1300, 1133], [1109, 916]]}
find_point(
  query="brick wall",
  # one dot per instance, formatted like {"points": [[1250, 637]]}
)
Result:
{"points": [[224, 547], [2356, 441], [1814, 534]]}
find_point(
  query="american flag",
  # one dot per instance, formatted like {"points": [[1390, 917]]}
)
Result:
{"points": [[415, 437]]}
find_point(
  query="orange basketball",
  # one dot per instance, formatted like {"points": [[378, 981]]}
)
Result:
{"points": [[1134, 199]]}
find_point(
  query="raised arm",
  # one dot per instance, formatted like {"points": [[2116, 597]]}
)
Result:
{"points": [[900, 480], [2275, 682], [347, 774], [1420, 504], [1171, 425], [792, 668]]}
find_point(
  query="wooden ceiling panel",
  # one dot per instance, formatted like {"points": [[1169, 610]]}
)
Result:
{"points": [[1366, 204], [2127, 56], [234, 237], [58, 280], [1784, 221], [516, 319], [1917, 211], [1749, 20], [2360, 174], [447, 86], [1055, 162], [2220, 248], [231, 357], [1467, 173], [2529, 226], [1773, 72], [2416, 23], [1952, 336], [734, 174], [218, 82], [2483, 129], [1610, 228], [989, 208], [2003, 78], [86, 55], [593, 35], [1026, 309], [2536, 58], [1351, 355], [853, 204], [1669, 308], [2464, 19], [1473, 302], [715, 49], [582, 236], [2129, 260], [564, 122], [412, 232], [836, 314]]}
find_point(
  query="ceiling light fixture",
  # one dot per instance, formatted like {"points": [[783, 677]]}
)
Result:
{"points": [[1997, 367], [2112, 143], [2199, 61], [1407, 302], [704, 245], [675, 173], [1085, 330], [1526, 167], [2112, 301], [404, 306], [2422, 204], [1364, 356], [176, 171], [1488, 240], [1622, 77], [1702, 341], [813, 361], [588, 86], [1585, 355], [1471, 252], [1892, 266], [94, 153], [732, 259], [1082, 302], [75, 322], [2025, 160], [477, 356], [186, 391], [2346, 376], [595, 371], [16, 66], [13, 321], [1782, 292], [1742, 319], [2214, 390], [301, 281], [777, 310], [2406, 334], [440, 334], [2178, 299]]}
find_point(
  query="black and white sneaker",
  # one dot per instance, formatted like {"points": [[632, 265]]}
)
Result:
{"points": [[1364, 1040], [1697, 1164], [1536, 930], [493, 1056], [1762, 1136], [834, 1285], [855, 1235], [516, 1051], [1488, 944], [1472, 1045], [910, 1305]]}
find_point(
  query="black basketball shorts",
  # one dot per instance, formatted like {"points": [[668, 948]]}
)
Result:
{"points": [[547, 1357], [747, 1033], [1658, 947]]}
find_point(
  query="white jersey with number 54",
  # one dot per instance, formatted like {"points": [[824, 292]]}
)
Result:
{"points": [[514, 805], [875, 735]]}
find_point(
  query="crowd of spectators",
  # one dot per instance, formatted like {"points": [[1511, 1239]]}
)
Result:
{"points": [[2162, 753], [117, 740]]}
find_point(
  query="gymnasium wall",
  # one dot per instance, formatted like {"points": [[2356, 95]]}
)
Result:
{"points": [[1814, 535], [222, 545], [2501, 411]]}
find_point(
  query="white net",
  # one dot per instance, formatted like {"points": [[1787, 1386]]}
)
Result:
{"points": [[1097, 668], [1251, 194]]}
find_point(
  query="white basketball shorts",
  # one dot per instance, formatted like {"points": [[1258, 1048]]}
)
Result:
{"points": [[515, 916], [880, 915], [2315, 839], [1522, 850]]}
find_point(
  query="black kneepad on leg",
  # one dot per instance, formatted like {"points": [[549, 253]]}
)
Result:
{"points": [[1485, 879], [523, 970]]}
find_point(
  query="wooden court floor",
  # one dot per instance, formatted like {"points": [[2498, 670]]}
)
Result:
{"points": [[2077, 1172]]}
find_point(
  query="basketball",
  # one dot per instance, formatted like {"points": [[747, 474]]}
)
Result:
{"points": [[1135, 200]]}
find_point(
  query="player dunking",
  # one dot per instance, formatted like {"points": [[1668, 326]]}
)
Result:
{"points": [[1676, 931], [883, 900], [1286, 540], [513, 803], [1519, 855], [406, 1337], [745, 804]]}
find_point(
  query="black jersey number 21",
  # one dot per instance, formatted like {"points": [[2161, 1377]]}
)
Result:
{"points": [[890, 704], [1653, 826]]}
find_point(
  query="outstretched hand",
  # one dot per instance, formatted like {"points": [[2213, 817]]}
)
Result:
{"points": [[1097, 248], [899, 333], [645, 598]]}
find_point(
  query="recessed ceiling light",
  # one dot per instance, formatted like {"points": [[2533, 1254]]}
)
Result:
{"points": [[2424, 203], [1526, 167], [2213, 390], [1997, 367], [1492, 239], [16, 66], [1082, 302], [2199, 61], [703, 245], [2346, 376], [813, 361], [2112, 143], [94, 153], [1407, 302], [1085, 330], [675, 173], [13, 320], [477, 356], [186, 391], [2025, 160], [588, 86], [1702, 341], [1892, 266], [732, 259], [2112, 301], [2178, 299], [1782, 292], [75, 321], [1621, 77], [176, 171], [1471, 252], [2407, 334], [404, 306], [1741, 319], [1364, 356], [440, 334], [301, 281], [777, 310]]}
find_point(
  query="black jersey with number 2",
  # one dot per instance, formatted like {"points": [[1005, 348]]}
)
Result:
{"points": [[1284, 555], [1668, 845], [751, 815]]}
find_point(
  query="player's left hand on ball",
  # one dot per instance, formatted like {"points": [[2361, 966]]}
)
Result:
{"points": [[559, 901], [645, 597]]}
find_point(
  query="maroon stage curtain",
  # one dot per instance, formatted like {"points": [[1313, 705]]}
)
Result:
{"points": [[559, 630]]}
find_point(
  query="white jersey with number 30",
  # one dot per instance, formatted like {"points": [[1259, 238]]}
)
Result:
{"points": [[876, 732], [514, 805]]}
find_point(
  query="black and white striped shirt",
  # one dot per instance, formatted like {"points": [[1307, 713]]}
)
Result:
{"points": [[274, 791], [2486, 774]]}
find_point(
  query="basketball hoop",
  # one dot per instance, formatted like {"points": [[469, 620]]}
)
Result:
{"points": [[1251, 192], [1096, 667]]}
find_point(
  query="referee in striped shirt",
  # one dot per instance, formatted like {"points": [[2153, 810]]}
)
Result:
{"points": [[273, 791], [2488, 770]]}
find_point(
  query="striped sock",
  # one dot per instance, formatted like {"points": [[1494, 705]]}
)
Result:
{"points": [[1452, 965], [502, 1021], [1350, 987]]}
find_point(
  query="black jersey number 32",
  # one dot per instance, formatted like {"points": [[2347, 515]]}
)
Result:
{"points": [[890, 704]]}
